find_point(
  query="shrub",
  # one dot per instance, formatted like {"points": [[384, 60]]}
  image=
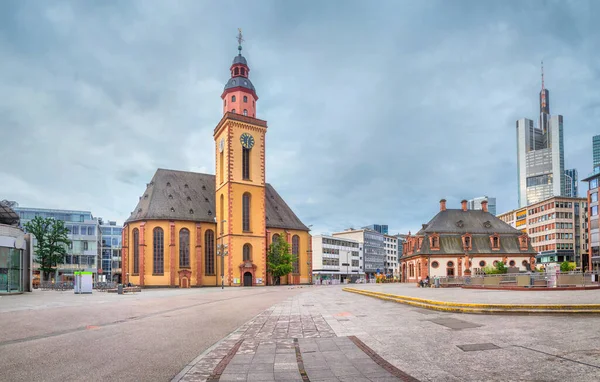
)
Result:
{"points": [[565, 266]]}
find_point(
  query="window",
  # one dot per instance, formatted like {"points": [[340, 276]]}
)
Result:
{"points": [[450, 264], [482, 263], [511, 263], [91, 231], [243, 71], [136, 251], [245, 112], [221, 169], [233, 110], [245, 163], [524, 263], [496, 242], [209, 252], [158, 266], [296, 254], [594, 211], [222, 212], [247, 252], [275, 237], [245, 98], [233, 99], [246, 199], [184, 248], [75, 230], [85, 245], [435, 264], [236, 71]]}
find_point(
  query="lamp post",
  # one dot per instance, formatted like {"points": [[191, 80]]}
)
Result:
{"points": [[222, 252]]}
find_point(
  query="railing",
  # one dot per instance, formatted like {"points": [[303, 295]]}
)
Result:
{"points": [[69, 285], [532, 280]]}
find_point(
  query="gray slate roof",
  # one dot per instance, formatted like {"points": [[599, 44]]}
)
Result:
{"points": [[452, 245], [239, 59], [239, 81], [473, 221], [167, 198]]}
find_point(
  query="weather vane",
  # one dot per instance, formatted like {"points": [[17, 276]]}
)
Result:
{"points": [[240, 39]]}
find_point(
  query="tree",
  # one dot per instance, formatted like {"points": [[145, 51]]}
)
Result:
{"points": [[565, 266], [501, 267], [279, 259], [51, 243]]}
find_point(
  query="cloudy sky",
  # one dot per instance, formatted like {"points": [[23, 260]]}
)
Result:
{"points": [[376, 110]]}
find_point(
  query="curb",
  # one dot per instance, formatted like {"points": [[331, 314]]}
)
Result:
{"points": [[454, 307]]}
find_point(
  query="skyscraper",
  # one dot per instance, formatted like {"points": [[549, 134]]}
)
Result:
{"points": [[381, 228], [596, 150], [475, 204], [540, 155], [571, 180]]}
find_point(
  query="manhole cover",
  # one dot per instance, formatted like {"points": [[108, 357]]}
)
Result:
{"points": [[478, 347], [455, 324]]}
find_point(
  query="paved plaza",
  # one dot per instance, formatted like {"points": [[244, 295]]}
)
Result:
{"points": [[318, 333]]}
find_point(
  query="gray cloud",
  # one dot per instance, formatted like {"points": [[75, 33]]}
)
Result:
{"points": [[375, 111]]}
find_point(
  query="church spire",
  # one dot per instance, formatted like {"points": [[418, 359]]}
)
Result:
{"points": [[239, 95]]}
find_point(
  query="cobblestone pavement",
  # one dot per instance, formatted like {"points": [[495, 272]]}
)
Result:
{"points": [[330, 335]]}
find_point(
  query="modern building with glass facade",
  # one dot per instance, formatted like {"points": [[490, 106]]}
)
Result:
{"points": [[475, 204], [593, 229], [596, 151], [373, 249], [15, 253], [82, 254], [571, 183], [110, 251], [336, 259], [381, 228], [540, 155]]}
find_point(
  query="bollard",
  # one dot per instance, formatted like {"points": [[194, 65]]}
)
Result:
{"points": [[120, 288]]}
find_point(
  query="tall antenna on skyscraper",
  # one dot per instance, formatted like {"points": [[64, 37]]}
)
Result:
{"points": [[542, 75]]}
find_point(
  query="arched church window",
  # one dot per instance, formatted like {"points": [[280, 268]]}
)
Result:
{"points": [[232, 98], [296, 254], [184, 248], [245, 163], [247, 252], [158, 265], [209, 252], [245, 112], [136, 251], [222, 212], [275, 237], [236, 71], [233, 110], [245, 98], [243, 71], [246, 199]]}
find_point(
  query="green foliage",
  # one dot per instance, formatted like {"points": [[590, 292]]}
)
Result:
{"points": [[500, 268], [51, 242], [565, 266], [279, 259]]}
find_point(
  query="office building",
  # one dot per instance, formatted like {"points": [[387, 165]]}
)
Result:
{"points": [[336, 260], [15, 253], [84, 235], [556, 227], [459, 242], [110, 251], [540, 155], [475, 204], [391, 264], [381, 228], [596, 151], [593, 229], [571, 183], [373, 245]]}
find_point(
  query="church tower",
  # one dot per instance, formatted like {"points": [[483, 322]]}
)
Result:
{"points": [[240, 181]]}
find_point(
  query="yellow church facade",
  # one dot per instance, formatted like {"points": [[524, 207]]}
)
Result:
{"points": [[191, 229]]}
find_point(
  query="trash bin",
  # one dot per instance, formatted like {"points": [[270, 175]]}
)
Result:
{"points": [[437, 282], [120, 289]]}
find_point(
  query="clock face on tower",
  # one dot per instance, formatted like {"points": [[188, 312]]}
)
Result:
{"points": [[247, 140]]}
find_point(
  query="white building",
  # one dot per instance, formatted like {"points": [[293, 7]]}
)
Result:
{"points": [[392, 263], [336, 259]]}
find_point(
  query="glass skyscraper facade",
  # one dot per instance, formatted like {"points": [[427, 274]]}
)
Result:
{"points": [[571, 183], [110, 250], [381, 228], [475, 204]]}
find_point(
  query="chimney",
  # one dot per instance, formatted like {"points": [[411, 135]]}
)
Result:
{"points": [[484, 206], [443, 205], [464, 205]]}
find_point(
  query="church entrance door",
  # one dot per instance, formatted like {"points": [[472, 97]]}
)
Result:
{"points": [[247, 279]]}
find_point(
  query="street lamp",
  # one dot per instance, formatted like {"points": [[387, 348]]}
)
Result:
{"points": [[222, 252]]}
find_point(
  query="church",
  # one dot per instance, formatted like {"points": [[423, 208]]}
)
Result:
{"points": [[191, 229]]}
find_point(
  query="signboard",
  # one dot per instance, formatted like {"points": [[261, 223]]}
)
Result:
{"points": [[259, 280], [236, 281]]}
